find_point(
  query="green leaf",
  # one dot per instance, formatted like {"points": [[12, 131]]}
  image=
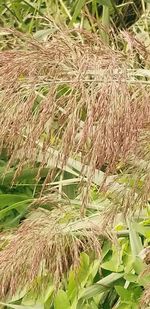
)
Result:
{"points": [[115, 263], [79, 277], [135, 241], [19, 206], [22, 307], [49, 291], [93, 270], [131, 277], [83, 269], [106, 248], [138, 265], [61, 301], [28, 175], [101, 286], [130, 295], [77, 11], [124, 294], [9, 199], [73, 288]]}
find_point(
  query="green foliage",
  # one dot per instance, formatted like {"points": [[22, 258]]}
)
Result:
{"points": [[93, 281], [17, 195], [117, 272], [35, 16]]}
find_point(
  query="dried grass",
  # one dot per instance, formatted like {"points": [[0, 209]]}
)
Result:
{"points": [[45, 245], [79, 94], [145, 299]]}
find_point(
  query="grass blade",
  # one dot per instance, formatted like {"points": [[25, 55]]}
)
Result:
{"points": [[102, 285]]}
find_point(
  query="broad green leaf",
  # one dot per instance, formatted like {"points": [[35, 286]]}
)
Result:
{"points": [[128, 259], [101, 286], [131, 277], [113, 265], [130, 295], [79, 277], [93, 270], [125, 295], [73, 288], [115, 262], [61, 300], [93, 290], [83, 269]]}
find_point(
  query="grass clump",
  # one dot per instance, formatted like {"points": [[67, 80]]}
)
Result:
{"points": [[45, 245], [76, 106], [83, 89]]}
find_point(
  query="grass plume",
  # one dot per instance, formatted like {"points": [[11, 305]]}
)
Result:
{"points": [[46, 244], [76, 97]]}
